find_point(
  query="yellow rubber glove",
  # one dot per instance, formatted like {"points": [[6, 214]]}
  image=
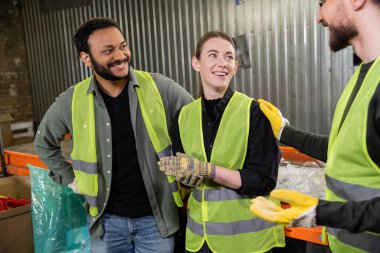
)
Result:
{"points": [[301, 213], [277, 121]]}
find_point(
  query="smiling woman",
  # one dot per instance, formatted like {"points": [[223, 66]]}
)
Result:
{"points": [[216, 65], [230, 154], [228, 45]]}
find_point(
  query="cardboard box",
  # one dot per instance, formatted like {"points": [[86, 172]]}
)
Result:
{"points": [[16, 230], [5, 128]]}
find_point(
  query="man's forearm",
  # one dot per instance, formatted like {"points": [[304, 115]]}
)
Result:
{"points": [[308, 143], [60, 170], [356, 217]]}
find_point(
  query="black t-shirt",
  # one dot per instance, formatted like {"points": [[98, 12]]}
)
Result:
{"points": [[259, 175], [128, 195]]}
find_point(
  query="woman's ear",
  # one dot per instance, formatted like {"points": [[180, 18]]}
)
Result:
{"points": [[85, 57], [195, 63], [236, 67]]}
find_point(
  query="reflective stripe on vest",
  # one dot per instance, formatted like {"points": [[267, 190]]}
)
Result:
{"points": [[365, 241], [223, 228], [351, 191], [350, 172], [231, 228], [153, 112], [217, 194], [217, 214], [84, 160]]}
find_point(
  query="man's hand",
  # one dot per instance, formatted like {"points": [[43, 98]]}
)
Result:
{"points": [[73, 186], [301, 213], [184, 165], [277, 121]]}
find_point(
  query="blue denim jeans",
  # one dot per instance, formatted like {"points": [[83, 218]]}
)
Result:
{"points": [[137, 235]]}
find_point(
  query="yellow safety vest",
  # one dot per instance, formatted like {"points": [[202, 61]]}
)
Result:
{"points": [[84, 159], [350, 172], [217, 214], [153, 112]]}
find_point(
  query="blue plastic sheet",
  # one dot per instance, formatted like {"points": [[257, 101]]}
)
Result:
{"points": [[59, 218]]}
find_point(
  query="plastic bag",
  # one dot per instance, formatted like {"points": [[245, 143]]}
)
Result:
{"points": [[306, 179], [59, 218]]}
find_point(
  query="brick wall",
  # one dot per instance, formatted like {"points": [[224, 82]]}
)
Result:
{"points": [[15, 95]]}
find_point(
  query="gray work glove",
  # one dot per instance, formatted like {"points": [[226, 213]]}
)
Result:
{"points": [[183, 164], [189, 180]]}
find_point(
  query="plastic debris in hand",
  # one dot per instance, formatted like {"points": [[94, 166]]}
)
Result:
{"points": [[308, 179]]}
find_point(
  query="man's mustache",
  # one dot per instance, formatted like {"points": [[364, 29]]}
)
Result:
{"points": [[118, 62]]}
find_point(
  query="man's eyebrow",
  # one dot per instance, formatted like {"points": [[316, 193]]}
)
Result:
{"points": [[111, 46], [107, 46]]}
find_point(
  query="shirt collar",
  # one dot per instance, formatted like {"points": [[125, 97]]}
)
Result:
{"points": [[366, 66], [94, 83], [219, 108], [132, 78]]}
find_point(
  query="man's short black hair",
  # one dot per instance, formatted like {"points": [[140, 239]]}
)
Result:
{"points": [[87, 28]]}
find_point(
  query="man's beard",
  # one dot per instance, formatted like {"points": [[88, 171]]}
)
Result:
{"points": [[104, 71], [340, 36]]}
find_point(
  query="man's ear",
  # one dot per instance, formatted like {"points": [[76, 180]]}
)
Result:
{"points": [[358, 4], [85, 57], [195, 63]]}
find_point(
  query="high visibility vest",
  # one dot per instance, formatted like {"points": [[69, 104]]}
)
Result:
{"points": [[350, 172], [84, 160], [83, 156], [218, 215], [153, 112]]}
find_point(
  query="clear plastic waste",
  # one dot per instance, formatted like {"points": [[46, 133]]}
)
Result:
{"points": [[308, 179]]}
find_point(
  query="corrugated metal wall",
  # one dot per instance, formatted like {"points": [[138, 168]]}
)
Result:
{"points": [[291, 64]]}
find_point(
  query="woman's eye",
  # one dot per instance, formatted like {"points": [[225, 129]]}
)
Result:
{"points": [[230, 57]]}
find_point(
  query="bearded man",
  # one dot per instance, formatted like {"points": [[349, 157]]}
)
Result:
{"points": [[351, 151], [119, 120]]}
